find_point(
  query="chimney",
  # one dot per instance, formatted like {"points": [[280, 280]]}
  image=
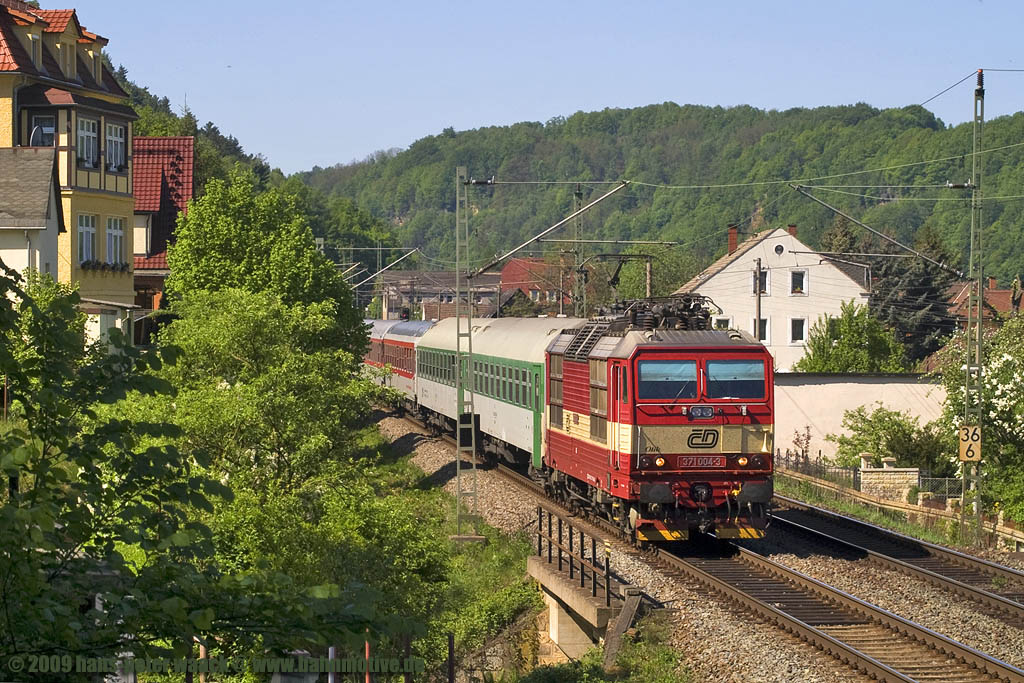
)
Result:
{"points": [[991, 283], [734, 233], [792, 229]]}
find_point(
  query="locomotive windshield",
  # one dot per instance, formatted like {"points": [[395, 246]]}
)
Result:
{"points": [[667, 379], [736, 379]]}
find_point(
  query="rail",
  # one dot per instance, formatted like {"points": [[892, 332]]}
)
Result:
{"points": [[828, 617]]}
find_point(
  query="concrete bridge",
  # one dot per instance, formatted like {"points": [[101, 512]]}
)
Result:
{"points": [[587, 604]]}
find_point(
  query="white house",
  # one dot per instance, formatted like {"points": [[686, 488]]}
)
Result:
{"points": [[30, 217], [798, 286]]}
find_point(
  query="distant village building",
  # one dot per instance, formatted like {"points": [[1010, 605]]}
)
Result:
{"points": [[1000, 304], [429, 294], [797, 286], [30, 215], [162, 184], [56, 93], [541, 281]]}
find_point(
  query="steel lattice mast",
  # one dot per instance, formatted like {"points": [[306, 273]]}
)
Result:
{"points": [[465, 432], [973, 415]]}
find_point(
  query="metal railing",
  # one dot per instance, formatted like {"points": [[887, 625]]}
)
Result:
{"points": [[941, 488], [566, 544], [848, 477]]}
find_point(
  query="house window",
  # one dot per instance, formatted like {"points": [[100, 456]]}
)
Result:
{"points": [[87, 145], [535, 294], [115, 240], [798, 282], [723, 323], [761, 332], [86, 238], [115, 147], [763, 282], [797, 330], [42, 132]]}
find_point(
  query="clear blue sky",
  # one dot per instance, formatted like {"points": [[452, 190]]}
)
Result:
{"points": [[318, 83]]}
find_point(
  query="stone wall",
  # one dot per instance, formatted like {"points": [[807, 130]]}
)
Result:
{"points": [[888, 482]]}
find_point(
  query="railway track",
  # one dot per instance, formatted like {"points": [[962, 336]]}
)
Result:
{"points": [[996, 589], [878, 643], [871, 640]]}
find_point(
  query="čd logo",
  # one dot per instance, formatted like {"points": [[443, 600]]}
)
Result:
{"points": [[703, 438]]}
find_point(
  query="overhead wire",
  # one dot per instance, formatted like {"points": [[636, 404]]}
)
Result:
{"points": [[943, 92], [832, 188]]}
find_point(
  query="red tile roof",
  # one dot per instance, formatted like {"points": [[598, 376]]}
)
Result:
{"points": [[13, 56], [998, 302], [57, 19], [162, 167], [20, 6], [162, 183], [154, 262]]}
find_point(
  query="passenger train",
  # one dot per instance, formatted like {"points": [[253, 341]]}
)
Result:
{"points": [[644, 416]]}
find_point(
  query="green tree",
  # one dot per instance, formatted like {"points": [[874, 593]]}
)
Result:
{"points": [[910, 295], [237, 237], [889, 433], [1002, 407], [266, 391], [853, 341], [670, 269], [101, 553]]}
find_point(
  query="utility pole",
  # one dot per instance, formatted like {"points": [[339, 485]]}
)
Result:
{"points": [[465, 428], [648, 276], [579, 295], [757, 302], [971, 428]]}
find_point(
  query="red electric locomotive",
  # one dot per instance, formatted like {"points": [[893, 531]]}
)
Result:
{"points": [[661, 424]]}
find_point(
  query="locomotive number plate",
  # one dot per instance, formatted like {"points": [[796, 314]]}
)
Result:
{"points": [[701, 461]]}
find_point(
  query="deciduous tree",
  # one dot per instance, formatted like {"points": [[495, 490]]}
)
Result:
{"points": [[853, 341]]}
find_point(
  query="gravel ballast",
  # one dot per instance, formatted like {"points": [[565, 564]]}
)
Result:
{"points": [[716, 642], [906, 596]]}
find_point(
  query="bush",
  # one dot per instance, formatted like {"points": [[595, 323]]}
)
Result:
{"points": [[890, 433]]}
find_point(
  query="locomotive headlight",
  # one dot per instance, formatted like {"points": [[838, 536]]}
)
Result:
{"points": [[758, 461], [742, 460], [702, 411], [645, 462], [660, 462]]}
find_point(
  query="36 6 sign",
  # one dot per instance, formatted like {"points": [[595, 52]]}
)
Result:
{"points": [[970, 443]]}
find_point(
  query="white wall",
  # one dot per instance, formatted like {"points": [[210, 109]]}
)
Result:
{"points": [[826, 288], [141, 234], [820, 401], [22, 248]]}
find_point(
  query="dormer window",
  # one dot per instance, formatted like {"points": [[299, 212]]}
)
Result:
{"points": [[97, 65], [62, 59], [115, 147], [88, 149], [35, 46]]}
